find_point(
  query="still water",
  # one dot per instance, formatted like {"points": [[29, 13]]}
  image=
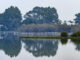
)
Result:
{"points": [[14, 48]]}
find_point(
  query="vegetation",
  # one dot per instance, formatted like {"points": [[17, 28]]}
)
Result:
{"points": [[77, 19], [11, 18], [40, 15], [64, 34], [76, 34], [57, 37], [40, 19]]}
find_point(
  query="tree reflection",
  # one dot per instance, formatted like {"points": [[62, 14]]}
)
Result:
{"points": [[41, 47], [64, 41], [77, 43], [11, 45]]}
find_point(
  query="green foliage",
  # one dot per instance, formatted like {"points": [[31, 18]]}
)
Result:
{"points": [[40, 15], [11, 18], [76, 34], [64, 34]]}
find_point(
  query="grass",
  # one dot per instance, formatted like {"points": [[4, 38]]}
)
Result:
{"points": [[57, 37]]}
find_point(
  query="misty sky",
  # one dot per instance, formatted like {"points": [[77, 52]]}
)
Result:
{"points": [[66, 8]]}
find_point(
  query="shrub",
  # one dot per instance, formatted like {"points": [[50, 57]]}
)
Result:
{"points": [[76, 34], [64, 34]]}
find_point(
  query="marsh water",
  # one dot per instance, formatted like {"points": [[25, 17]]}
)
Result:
{"points": [[14, 48]]}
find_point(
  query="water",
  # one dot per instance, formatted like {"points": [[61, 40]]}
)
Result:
{"points": [[14, 48]]}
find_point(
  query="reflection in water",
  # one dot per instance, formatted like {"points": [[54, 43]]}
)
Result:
{"points": [[77, 43], [10, 45], [64, 41], [78, 47], [41, 47]]}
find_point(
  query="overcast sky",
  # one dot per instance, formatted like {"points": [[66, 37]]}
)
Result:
{"points": [[66, 8]]}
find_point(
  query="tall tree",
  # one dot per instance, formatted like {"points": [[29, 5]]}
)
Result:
{"points": [[11, 18], [41, 15]]}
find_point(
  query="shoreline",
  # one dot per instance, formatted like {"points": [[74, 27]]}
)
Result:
{"points": [[58, 37]]}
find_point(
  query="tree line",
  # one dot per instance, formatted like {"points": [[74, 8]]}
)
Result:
{"points": [[11, 18]]}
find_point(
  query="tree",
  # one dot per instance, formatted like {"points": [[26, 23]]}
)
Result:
{"points": [[64, 34], [77, 19], [76, 34], [11, 18], [40, 15]]}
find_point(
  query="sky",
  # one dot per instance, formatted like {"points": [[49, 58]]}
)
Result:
{"points": [[66, 8]]}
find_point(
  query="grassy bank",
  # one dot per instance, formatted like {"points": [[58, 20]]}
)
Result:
{"points": [[58, 37]]}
